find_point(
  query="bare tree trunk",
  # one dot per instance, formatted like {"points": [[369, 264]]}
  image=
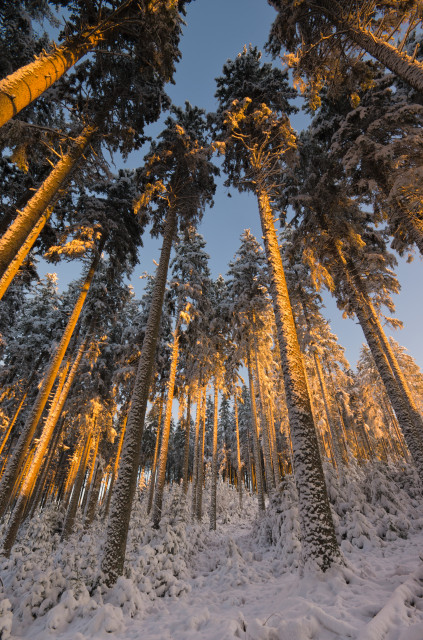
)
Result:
{"points": [[186, 449], [318, 531], [154, 465], [254, 430], [79, 480], [198, 414], [34, 416], [200, 472], [125, 487], [19, 231], [161, 476], [238, 451], [213, 487]]}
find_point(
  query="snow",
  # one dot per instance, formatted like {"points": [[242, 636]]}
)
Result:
{"points": [[243, 581]]}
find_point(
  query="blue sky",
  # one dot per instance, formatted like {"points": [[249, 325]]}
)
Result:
{"points": [[217, 31]]}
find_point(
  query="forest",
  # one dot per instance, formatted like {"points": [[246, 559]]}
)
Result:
{"points": [[201, 460]]}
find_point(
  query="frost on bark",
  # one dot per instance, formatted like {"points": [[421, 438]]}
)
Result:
{"points": [[254, 430], [318, 532], [156, 453], [161, 476], [43, 443], [31, 215], [126, 483], [214, 462], [10, 474]]}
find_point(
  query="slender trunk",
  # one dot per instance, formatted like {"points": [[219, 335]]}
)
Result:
{"points": [[31, 423], [200, 472], [91, 466], [196, 447], [12, 422], [318, 531], [115, 467], [79, 481], [156, 451], [161, 476], [123, 495], [23, 225], [270, 484], [93, 494], [336, 445], [186, 449], [238, 451], [214, 462], [254, 430]]}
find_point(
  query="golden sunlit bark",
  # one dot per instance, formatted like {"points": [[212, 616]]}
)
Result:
{"points": [[254, 430], [16, 243]]}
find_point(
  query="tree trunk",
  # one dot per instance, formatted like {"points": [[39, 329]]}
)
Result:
{"points": [[22, 230], [213, 487], [161, 476], [79, 481], [333, 429], [93, 494], [198, 414], [115, 467], [125, 487], [28, 83], [186, 449], [31, 423], [318, 531], [154, 465], [238, 451], [254, 430], [200, 472], [401, 64]]}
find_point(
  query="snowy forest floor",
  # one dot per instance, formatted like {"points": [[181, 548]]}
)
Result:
{"points": [[241, 582]]}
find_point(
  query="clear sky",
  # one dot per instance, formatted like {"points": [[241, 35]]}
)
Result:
{"points": [[217, 31]]}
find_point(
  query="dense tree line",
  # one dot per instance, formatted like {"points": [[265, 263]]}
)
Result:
{"points": [[89, 375]]}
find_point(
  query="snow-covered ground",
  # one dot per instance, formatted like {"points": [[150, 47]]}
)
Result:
{"points": [[242, 581]]}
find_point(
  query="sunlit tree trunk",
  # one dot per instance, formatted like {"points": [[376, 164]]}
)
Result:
{"points": [[125, 486], [93, 494], [161, 476], [213, 487], [318, 532], [254, 431], [270, 484], [23, 225], [31, 423], [336, 444], [156, 451], [91, 467]]}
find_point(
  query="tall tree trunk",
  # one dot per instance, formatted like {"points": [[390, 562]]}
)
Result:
{"points": [[161, 476], [213, 487], [318, 531], [270, 481], [238, 451], [28, 83], [401, 64], [77, 487], [23, 226], [125, 487], [198, 415], [186, 449], [31, 423], [254, 430], [115, 466], [200, 472], [93, 494], [333, 429], [156, 451]]}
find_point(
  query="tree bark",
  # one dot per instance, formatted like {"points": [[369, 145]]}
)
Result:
{"points": [[79, 481], [213, 487], [318, 531], [238, 451], [154, 465], [125, 487], [34, 215], [200, 472], [31, 423], [198, 414], [254, 430], [186, 449], [161, 476]]}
